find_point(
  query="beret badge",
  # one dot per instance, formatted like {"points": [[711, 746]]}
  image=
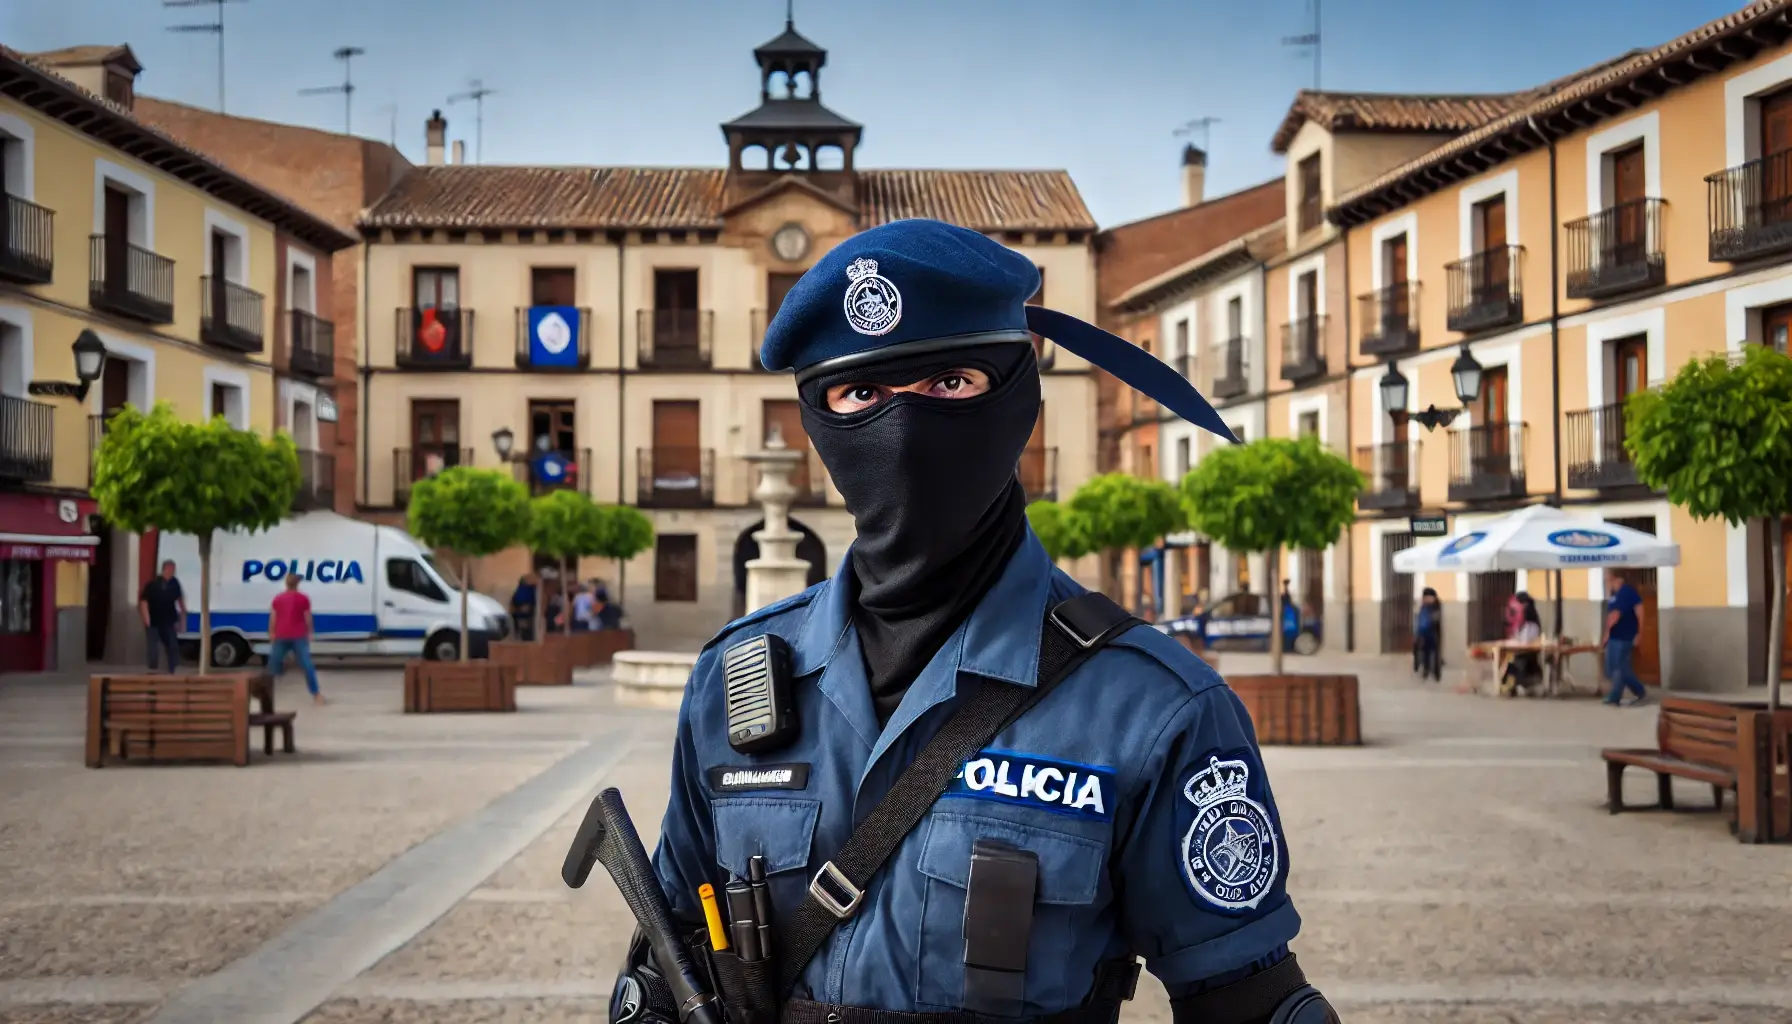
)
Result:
{"points": [[873, 305]]}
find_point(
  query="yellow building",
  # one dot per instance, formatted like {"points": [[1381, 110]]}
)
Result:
{"points": [[203, 289], [609, 318], [1580, 248]]}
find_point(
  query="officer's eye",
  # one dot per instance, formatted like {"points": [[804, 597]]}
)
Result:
{"points": [[854, 397], [959, 384]]}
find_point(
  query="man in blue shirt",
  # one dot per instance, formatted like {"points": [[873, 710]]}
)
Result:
{"points": [[1134, 788], [1623, 621]]}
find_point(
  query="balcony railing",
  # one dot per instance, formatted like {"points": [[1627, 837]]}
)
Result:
{"points": [[1231, 375], [1390, 319], [1486, 290], [311, 344], [1393, 471], [1596, 455], [27, 440], [675, 477], [1303, 348], [27, 242], [577, 478], [130, 280], [673, 339], [563, 347], [435, 339], [317, 482], [229, 315], [1616, 250], [1487, 461], [1749, 209], [410, 465], [1038, 472]]}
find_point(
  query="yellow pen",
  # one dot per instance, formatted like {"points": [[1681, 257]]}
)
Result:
{"points": [[712, 917]]}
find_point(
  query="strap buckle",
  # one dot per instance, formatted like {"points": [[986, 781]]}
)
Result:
{"points": [[849, 895], [1071, 631]]}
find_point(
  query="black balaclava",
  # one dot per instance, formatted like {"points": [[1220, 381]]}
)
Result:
{"points": [[931, 486]]}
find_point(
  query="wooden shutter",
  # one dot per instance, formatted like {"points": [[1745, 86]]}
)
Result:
{"points": [[553, 286], [675, 567], [676, 434]]}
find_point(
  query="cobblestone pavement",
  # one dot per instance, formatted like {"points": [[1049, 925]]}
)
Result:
{"points": [[1457, 869]]}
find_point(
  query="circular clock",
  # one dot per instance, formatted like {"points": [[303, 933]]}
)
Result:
{"points": [[791, 242]]}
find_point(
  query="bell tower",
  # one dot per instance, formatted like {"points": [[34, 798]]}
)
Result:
{"points": [[790, 132]]}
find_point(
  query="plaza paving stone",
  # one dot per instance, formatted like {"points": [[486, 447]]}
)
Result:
{"points": [[1458, 869]]}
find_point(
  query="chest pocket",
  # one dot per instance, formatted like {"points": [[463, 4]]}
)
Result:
{"points": [[780, 829], [1069, 875]]}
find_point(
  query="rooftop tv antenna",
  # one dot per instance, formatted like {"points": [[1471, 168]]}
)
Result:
{"points": [[391, 109], [1309, 40], [214, 27], [1199, 124], [345, 54], [477, 93]]}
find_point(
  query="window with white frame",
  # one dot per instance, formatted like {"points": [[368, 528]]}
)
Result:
{"points": [[228, 399], [13, 355], [17, 162]]}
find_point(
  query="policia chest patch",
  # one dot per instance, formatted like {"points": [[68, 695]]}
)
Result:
{"points": [[746, 778], [1028, 780]]}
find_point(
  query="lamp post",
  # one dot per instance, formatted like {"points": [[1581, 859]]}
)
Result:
{"points": [[1465, 374], [504, 443], [90, 362]]}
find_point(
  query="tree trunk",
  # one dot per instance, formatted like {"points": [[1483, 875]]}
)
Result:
{"points": [[538, 613], [466, 581], [1273, 562], [1776, 629], [205, 604], [565, 598]]}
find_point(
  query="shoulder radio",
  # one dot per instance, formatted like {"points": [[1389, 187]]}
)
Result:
{"points": [[761, 706]]}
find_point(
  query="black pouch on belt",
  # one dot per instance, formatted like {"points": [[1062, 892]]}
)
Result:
{"points": [[747, 987], [998, 924]]}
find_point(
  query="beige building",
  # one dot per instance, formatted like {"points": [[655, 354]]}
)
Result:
{"points": [[609, 318]]}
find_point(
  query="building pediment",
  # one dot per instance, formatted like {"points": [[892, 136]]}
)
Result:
{"points": [[746, 191]]}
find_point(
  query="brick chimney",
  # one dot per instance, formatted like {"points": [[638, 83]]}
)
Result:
{"points": [[460, 151], [435, 135], [1194, 175]]}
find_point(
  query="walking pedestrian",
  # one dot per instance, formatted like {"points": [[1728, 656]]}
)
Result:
{"points": [[291, 626], [163, 606], [1428, 631], [1623, 621]]}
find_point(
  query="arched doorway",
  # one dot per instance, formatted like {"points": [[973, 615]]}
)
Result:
{"points": [[810, 549]]}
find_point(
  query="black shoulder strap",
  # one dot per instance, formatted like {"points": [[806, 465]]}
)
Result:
{"points": [[1074, 631]]}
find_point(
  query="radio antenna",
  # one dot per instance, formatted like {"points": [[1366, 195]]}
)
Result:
{"points": [[1309, 40], [477, 93], [214, 27], [347, 55]]}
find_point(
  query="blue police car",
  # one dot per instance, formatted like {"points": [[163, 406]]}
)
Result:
{"points": [[1241, 623]]}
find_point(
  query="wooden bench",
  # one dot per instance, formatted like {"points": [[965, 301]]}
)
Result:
{"points": [[269, 722], [1694, 739], [168, 718]]}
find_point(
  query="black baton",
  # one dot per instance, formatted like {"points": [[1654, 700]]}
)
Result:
{"points": [[607, 836]]}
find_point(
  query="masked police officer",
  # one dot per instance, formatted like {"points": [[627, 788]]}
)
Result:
{"points": [[1106, 798]]}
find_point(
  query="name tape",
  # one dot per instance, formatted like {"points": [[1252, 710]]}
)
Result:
{"points": [[746, 778]]}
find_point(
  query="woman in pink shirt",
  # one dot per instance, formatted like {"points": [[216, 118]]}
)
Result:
{"points": [[289, 624]]}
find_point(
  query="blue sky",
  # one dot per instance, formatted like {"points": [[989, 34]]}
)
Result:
{"points": [[1095, 87]]}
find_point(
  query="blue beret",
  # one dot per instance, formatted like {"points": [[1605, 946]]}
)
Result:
{"points": [[913, 286]]}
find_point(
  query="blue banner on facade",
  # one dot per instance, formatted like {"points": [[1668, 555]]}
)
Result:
{"points": [[553, 336], [553, 469]]}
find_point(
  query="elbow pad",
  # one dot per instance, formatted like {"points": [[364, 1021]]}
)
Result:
{"points": [[1279, 995]]}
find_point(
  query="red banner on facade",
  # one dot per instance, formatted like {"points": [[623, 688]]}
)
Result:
{"points": [[46, 552]]}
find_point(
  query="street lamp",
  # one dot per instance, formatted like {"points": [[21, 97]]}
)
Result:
{"points": [[1465, 374], [504, 442], [90, 362]]}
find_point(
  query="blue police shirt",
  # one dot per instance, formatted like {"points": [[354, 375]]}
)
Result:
{"points": [[1137, 783]]}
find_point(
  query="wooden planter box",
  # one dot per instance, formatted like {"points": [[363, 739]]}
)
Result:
{"points": [[1763, 775], [459, 686], [598, 647], [1302, 710], [545, 664], [169, 718]]}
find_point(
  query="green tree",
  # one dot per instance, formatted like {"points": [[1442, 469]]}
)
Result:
{"points": [[1268, 495], [473, 513], [1064, 533], [1119, 511], [563, 525], [623, 532], [159, 472], [1718, 439]]}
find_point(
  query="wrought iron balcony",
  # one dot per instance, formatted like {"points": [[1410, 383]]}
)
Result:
{"points": [[1390, 319], [1486, 290], [1303, 348], [1487, 461], [27, 242], [577, 478], [1392, 468], [1749, 209], [1231, 377], [27, 440], [1038, 471], [317, 482], [675, 477], [1596, 456], [130, 280], [310, 344], [410, 465], [229, 315], [574, 355], [435, 339], [673, 339], [1616, 250]]}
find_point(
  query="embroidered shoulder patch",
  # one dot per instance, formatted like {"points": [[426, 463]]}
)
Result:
{"points": [[1029, 780], [1230, 857]]}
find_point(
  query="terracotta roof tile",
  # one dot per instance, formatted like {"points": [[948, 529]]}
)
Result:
{"points": [[661, 198], [1388, 112]]}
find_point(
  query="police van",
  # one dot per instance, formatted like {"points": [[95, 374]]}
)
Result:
{"points": [[375, 591]]}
